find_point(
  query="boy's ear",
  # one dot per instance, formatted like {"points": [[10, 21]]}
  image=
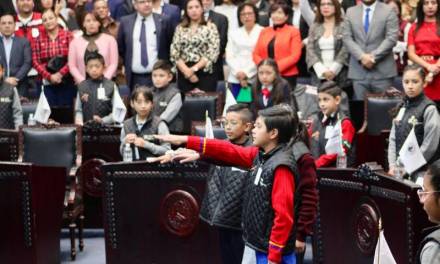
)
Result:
{"points": [[338, 99], [131, 104], [273, 134], [248, 128]]}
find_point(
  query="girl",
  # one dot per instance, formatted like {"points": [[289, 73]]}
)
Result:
{"points": [[429, 250], [270, 89], [138, 129], [418, 111]]}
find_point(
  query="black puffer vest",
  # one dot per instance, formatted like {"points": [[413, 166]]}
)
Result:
{"points": [[318, 147], [414, 111], [6, 101], [149, 128], [258, 214], [162, 97], [223, 201], [94, 106], [433, 235]]}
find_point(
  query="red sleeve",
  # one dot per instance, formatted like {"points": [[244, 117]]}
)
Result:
{"points": [[223, 151], [309, 197], [39, 67], [411, 35], [348, 132], [69, 37], [282, 204]]}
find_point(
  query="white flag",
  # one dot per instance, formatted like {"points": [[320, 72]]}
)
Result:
{"points": [[382, 253], [42, 112], [229, 100], [119, 110], [410, 155], [334, 139], [209, 131]]}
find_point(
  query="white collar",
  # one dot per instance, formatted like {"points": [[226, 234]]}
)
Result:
{"points": [[140, 17], [372, 7], [140, 122], [25, 20]]}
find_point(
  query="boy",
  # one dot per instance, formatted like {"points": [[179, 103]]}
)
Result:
{"points": [[95, 94], [329, 98], [167, 98], [268, 217], [11, 114]]}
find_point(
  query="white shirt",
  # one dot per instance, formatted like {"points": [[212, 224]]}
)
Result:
{"points": [[364, 13], [327, 46], [230, 11], [296, 17], [239, 52], [152, 49], [7, 44]]}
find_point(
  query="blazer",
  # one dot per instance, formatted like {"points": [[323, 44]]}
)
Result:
{"points": [[164, 34], [173, 13], [20, 62], [263, 13], [287, 48], [380, 40], [221, 22]]}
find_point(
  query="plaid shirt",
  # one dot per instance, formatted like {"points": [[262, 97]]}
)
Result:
{"points": [[43, 49]]}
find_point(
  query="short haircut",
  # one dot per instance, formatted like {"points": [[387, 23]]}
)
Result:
{"points": [[163, 65], [244, 111], [280, 117], [144, 90], [287, 10], [8, 14], [94, 55], [434, 171], [331, 88]]}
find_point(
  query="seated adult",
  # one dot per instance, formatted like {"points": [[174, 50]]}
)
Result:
{"points": [[92, 40], [327, 57], [281, 42]]}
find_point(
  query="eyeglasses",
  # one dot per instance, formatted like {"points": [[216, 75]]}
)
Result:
{"points": [[422, 194], [246, 14], [231, 123]]}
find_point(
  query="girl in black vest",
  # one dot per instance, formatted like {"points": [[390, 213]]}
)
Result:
{"points": [[429, 250], [138, 130], [417, 111]]}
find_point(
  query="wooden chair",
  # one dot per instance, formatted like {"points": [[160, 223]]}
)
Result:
{"points": [[58, 146]]}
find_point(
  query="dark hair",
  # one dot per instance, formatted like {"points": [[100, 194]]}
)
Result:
{"points": [[301, 133], [240, 9], [338, 14], [283, 5], [434, 171], [163, 65], [276, 93], [83, 18], [94, 55], [142, 90], [280, 117], [244, 111], [8, 14], [39, 6], [331, 88], [417, 68], [185, 18], [421, 16]]}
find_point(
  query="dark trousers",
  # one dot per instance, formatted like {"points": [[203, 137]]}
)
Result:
{"points": [[207, 82], [60, 95], [292, 81], [141, 79], [231, 245]]}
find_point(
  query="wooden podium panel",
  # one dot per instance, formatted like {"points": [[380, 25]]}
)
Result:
{"points": [[8, 145], [151, 214], [350, 205], [31, 204]]}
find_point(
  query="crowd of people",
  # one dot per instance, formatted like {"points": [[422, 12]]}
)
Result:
{"points": [[284, 62]]}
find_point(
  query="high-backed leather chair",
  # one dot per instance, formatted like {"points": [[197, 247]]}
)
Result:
{"points": [[28, 108], [58, 146], [195, 106], [8, 145]]}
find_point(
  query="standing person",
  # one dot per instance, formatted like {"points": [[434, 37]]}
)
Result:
{"points": [[109, 25], [424, 45], [165, 9], [370, 32], [29, 23], [195, 49], [143, 38], [267, 217], [415, 105], [263, 7], [49, 58], [228, 8], [92, 40], [221, 22], [429, 195], [241, 44], [281, 42], [16, 64], [11, 114], [8, 7], [327, 57]]}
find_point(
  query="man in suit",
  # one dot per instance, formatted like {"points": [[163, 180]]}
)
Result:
{"points": [[143, 38], [370, 32], [171, 11], [7, 7], [16, 65], [297, 20], [263, 12], [221, 22]]}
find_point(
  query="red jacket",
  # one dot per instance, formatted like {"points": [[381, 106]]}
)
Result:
{"points": [[32, 29], [287, 48]]}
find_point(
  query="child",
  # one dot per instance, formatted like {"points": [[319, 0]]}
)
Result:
{"points": [[268, 217], [138, 129], [429, 250], [418, 109], [11, 114], [329, 98], [270, 88], [167, 98], [95, 94]]}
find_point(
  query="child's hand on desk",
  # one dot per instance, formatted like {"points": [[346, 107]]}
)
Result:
{"points": [[129, 138], [139, 142]]}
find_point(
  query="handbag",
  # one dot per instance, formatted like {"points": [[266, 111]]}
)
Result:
{"points": [[55, 64]]}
